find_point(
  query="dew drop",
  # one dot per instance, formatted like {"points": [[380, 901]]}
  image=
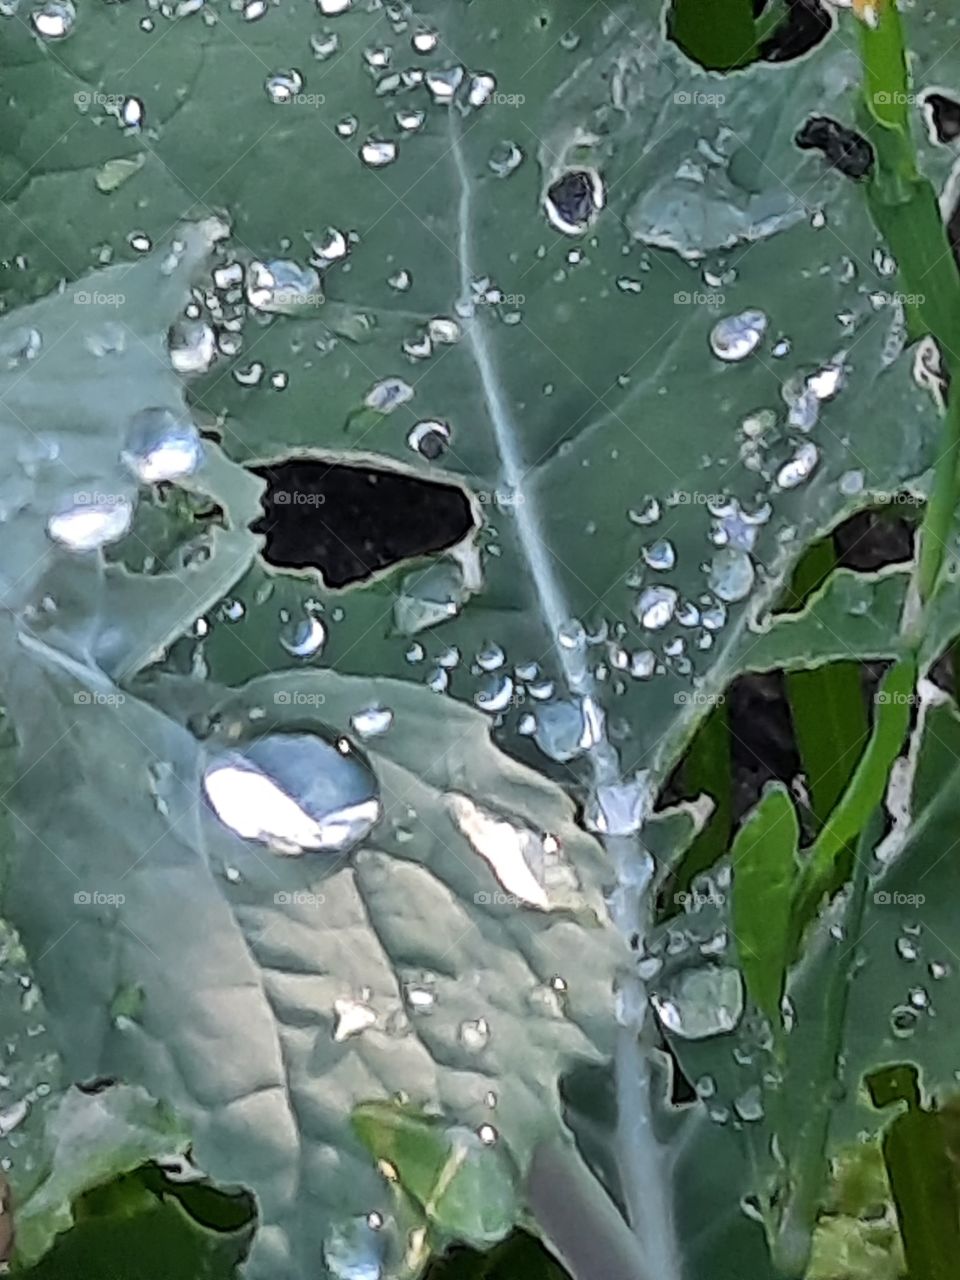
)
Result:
{"points": [[376, 153], [732, 574], [474, 1034], [282, 287], [388, 395], [430, 439], [192, 345], [162, 446], [736, 337], [655, 607], [800, 467], [372, 721], [305, 638], [89, 525], [703, 1002], [505, 158], [295, 792], [283, 86], [54, 19]]}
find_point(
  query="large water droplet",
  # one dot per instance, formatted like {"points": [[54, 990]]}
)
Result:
{"points": [[731, 575], [655, 607], [283, 86], [162, 446], [429, 597], [702, 1002], [54, 19], [304, 638], [736, 337], [193, 346], [800, 467], [85, 526], [371, 721], [376, 153], [389, 394], [282, 286], [295, 792]]}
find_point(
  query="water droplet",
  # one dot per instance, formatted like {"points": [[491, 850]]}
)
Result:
{"points": [[352, 1018], [86, 526], [907, 948], [494, 694], [13, 1116], [648, 514], [736, 337], [162, 446], [192, 345], [372, 721], [401, 281], [295, 792], [378, 152], [504, 159], [429, 438], [444, 84], [660, 555], [703, 1002], [282, 287], [410, 119], [851, 483], [731, 575], [388, 395], [305, 638], [474, 1034], [254, 9], [655, 607], [132, 113], [749, 1106], [800, 467], [559, 730], [481, 90], [54, 19], [903, 1021], [574, 201], [332, 8], [283, 86], [429, 597], [22, 344]]}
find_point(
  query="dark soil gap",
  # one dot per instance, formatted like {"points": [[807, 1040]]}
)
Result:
{"points": [[350, 522]]}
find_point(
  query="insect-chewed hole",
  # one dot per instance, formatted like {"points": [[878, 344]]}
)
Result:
{"points": [[349, 522]]}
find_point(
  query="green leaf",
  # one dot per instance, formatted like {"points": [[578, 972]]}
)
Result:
{"points": [[408, 967], [921, 1174], [764, 860], [824, 868], [826, 704], [92, 1138], [466, 1186]]}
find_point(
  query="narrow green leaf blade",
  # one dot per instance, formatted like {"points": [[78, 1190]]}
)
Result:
{"points": [[764, 869]]}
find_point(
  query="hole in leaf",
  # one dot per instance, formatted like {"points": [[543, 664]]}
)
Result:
{"points": [[842, 148], [349, 522], [806, 23], [747, 31], [942, 114]]}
